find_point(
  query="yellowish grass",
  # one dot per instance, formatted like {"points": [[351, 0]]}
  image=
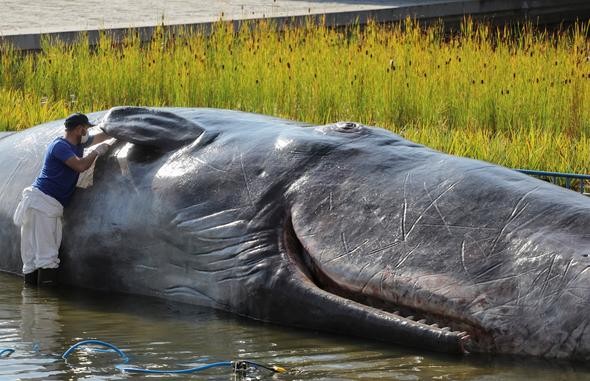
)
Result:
{"points": [[517, 97]]}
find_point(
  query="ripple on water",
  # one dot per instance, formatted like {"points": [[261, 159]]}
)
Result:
{"points": [[42, 324]]}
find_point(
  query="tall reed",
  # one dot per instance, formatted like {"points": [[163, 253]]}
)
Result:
{"points": [[519, 97]]}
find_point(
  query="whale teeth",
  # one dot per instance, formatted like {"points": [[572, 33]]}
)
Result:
{"points": [[411, 317], [464, 340], [422, 321], [445, 329], [462, 334], [396, 312], [434, 325]]}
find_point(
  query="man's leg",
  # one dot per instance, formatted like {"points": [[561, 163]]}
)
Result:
{"points": [[47, 241], [27, 248]]}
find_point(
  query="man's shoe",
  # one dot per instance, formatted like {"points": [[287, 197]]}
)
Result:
{"points": [[31, 279], [47, 277]]}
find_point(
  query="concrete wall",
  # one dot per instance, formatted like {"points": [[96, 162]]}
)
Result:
{"points": [[545, 12]]}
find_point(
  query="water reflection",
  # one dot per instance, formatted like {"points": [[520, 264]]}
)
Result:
{"points": [[42, 323], [39, 322]]}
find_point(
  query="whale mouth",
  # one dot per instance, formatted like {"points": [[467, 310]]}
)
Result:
{"points": [[470, 336]]}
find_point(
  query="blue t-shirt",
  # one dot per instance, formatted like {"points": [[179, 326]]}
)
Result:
{"points": [[56, 178]]}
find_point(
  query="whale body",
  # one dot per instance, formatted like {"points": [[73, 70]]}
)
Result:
{"points": [[342, 228]]}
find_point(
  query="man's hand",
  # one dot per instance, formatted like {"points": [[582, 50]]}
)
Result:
{"points": [[99, 138], [101, 149]]}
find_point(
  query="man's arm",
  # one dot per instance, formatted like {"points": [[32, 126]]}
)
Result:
{"points": [[81, 164]]}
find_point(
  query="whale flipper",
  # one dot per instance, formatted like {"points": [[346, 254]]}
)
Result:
{"points": [[159, 129]]}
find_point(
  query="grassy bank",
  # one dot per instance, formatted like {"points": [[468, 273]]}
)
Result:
{"points": [[520, 98]]}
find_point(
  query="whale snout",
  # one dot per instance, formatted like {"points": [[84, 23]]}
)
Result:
{"points": [[492, 255]]}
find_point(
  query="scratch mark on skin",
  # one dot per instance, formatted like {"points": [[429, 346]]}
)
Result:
{"points": [[525, 224], [460, 226], [343, 238], [378, 273], [518, 299], [330, 200], [563, 282], [430, 205], [346, 253], [401, 262], [536, 279], [405, 208], [246, 179], [547, 279], [515, 213], [526, 300], [463, 256], [575, 277], [501, 279], [539, 256], [581, 298], [437, 209], [209, 165], [144, 267], [359, 246], [383, 248], [488, 270], [476, 242], [183, 217], [360, 272]]}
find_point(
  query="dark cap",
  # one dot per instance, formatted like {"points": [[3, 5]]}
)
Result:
{"points": [[75, 120]]}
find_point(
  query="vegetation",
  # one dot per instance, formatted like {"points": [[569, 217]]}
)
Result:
{"points": [[519, 97]]}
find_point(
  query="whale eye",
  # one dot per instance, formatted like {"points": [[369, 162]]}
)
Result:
{"points": [[347, 127]]}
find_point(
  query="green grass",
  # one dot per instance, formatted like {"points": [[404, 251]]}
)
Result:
{"points": [[517, 97]]}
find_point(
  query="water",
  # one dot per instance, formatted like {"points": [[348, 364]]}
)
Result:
{"points": [[40, 324]]}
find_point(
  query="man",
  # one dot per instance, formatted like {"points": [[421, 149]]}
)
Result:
{"points": [[39, 213]]}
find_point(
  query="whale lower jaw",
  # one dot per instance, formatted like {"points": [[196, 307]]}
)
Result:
{"points": [[430, 331]]}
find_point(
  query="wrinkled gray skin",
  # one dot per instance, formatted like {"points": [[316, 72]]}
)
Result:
{"points": [[343, 228]]}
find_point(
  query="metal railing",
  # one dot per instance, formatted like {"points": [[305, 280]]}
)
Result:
{"points": [[572, 181]]}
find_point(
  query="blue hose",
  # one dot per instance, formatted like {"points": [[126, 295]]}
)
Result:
{"points": [[96, 342], [6, 352], [178, 371], [123, 367]]}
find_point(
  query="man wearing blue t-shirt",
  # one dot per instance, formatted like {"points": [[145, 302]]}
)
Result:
{"points": [[40, 211]]}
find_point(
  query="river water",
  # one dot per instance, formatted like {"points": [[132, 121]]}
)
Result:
{"points": [[40, 324]]}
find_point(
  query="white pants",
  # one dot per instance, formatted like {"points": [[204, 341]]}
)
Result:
{"points": [[40, 218]]}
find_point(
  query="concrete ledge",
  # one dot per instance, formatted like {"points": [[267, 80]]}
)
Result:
{"points": [[543, 12]]}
